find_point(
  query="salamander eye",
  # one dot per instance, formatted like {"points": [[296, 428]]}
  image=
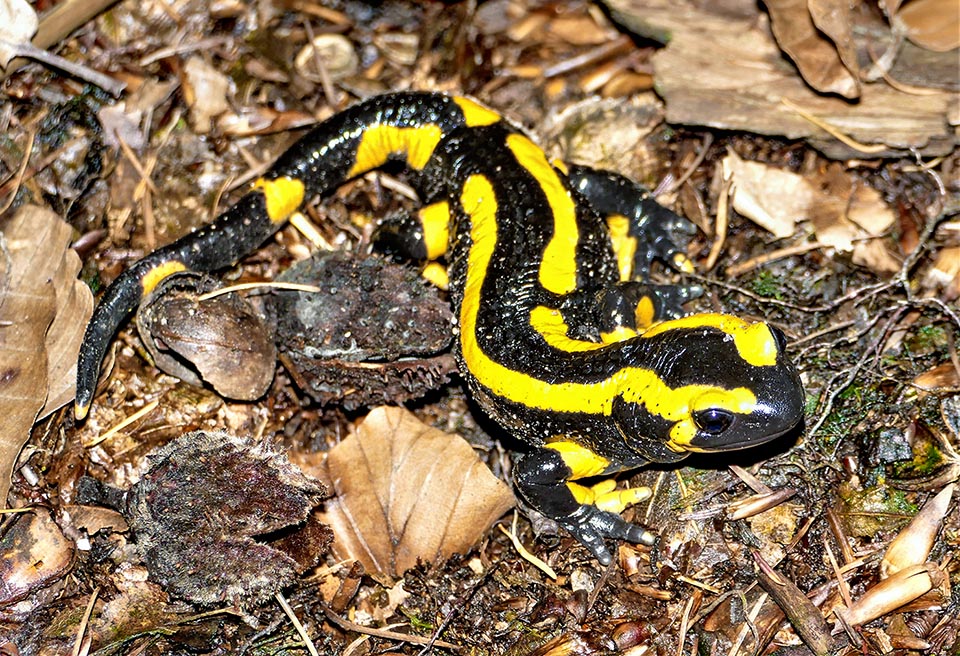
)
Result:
{"points": [[780, 337], [713, 420]]}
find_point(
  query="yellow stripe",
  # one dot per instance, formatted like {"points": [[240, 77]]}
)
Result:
{"points": [[754, 341], [636, 385], [475, 114], [558, 269], [550, 324], [283, 197], [155, 276], [379, 142], [582, 461], [435, 222]]}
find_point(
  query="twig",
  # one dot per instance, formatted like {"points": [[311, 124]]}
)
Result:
{"points": [[296, 624], [834, 132], [30, 51], [381, 633]]}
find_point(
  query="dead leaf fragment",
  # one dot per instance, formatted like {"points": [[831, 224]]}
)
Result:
{"points": [[33, 554], [894, 592], [814, 54], [43, 311], [205, 90], [18, 24], [931, 24], [913, 544], [772, 198], [406, 492]]}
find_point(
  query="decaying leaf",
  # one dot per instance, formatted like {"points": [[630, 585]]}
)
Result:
{"points": [[201, 509], [896, 591], [18, 24], [33, 553], [405, 492], [205, 89], [43, 311], [721, 68], [931, 24], [815, 55], [772, 198], [913, 544]]}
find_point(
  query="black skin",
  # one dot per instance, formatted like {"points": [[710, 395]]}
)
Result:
{"points": [[471, 144]]}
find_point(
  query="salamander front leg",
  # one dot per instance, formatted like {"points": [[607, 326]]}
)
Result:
{"points": [[590, 514]]}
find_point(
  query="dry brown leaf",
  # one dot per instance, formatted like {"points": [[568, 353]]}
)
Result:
{"points": [[913, 544], [205, 90], [38, 274], [405, 492], [770, 197], [18, 24], [33, 554], [835, 19], [945, 273], [931, 24], [721, 68], [814, 54]]}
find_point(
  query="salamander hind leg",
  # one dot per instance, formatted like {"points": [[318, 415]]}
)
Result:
{"points": [[546, 480]]}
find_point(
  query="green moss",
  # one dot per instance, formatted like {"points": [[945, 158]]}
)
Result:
{"points": [[768, 285]]}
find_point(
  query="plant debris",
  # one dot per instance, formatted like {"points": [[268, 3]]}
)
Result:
{"points": [[373, 333], [199, 509]]}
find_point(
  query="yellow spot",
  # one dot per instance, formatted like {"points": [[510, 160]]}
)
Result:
{"points": [[581, 460], [558, 267], [624, 245], [618, 334], [754, 341], [475, 114], [156, 275], [379, 142], [436, 274], [435, 221], [683, 263], [283, 196], [634, 384], [561, 166], [80, 410], [644, 314]]}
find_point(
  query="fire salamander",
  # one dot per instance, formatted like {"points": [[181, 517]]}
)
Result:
{"points": [[561, 340]]}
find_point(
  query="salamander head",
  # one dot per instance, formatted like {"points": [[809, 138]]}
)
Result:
{"points": [[718, 384]]}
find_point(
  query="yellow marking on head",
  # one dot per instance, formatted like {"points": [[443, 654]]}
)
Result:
{"points": [[754, 341], [436, 273], [379, 142], [624, 245], [157, 274], [475, 114], [435, 221], [618, 334], [581, 460], [635, 385], [283, 197], [558, 266]]}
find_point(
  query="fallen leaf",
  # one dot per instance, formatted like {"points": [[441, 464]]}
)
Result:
{"points": [[810, 49], [721, 68], [931, 24], [405, 492], [205, 90], [37, 344], [770, 197], [18, 24], [33, 554]]}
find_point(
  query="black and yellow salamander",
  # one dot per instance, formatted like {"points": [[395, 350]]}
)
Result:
{"points": [[559, 344]]}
